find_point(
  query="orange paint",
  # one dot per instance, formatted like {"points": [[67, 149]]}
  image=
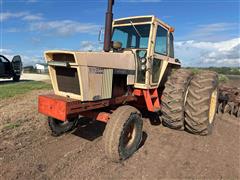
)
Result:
{"points": [[52, 107], [99, 116], [151, 98]]}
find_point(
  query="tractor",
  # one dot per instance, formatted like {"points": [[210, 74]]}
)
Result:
{"points": [[136, 72]]}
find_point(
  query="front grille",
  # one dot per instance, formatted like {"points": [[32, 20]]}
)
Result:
{"points": [[67, 79]]}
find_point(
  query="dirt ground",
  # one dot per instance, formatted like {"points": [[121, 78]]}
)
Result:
{"points": [[28, 151]]}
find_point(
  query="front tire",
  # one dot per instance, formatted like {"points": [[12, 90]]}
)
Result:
{"points": [[123, 133], [201, 103], [60, 127]]}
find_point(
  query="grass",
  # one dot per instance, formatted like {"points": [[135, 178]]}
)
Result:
{"points": [[13, 89], [223, 78], [11, 126]]}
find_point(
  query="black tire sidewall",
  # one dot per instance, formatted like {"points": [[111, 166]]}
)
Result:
{"points": [[58, 128], [16, 78], [127, 152]]}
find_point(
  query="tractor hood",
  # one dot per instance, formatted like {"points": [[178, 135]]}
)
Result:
{"points": [[112, 60]]}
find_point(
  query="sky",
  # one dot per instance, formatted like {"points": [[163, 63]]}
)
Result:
{"points": [[207, 32]]}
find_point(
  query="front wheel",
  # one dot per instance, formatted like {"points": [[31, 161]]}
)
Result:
{"points": [[60, 127], [123, 133]]}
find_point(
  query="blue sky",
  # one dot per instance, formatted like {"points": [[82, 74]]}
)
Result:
{"points": [[207, 32]]}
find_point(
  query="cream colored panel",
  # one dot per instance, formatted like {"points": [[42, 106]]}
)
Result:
{"points": [[95, 83], [107, 84], [130, 79]]}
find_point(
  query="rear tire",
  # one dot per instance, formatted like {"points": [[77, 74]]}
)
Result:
{"points": [[16, 78], [123, 133], [238, 112], [173, 99], [59, 127], [201, 104]]}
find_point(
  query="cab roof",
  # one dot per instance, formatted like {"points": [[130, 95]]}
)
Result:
{"points": [[141, 20]]}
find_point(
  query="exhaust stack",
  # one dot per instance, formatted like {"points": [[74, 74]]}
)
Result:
{"points": [[108, 26]]}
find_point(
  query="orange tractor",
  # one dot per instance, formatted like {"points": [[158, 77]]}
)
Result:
{"points": [[136, 71]]}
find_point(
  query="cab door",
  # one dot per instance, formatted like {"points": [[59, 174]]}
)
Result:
{"points": [[160, 56]]}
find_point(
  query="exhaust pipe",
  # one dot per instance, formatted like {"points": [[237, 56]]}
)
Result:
{"points": [[108, 26]]}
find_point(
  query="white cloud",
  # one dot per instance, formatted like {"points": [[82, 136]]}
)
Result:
{"points": [[8, 15], [223, 53], [5, 51], [65, 27], [212, 32], [33, 17], [22, 15], [90, 46]]}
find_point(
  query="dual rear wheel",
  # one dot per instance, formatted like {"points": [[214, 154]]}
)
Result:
{"points": [[190, 101]]}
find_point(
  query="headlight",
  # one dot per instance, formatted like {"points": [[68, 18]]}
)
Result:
{"points": [[143, 60], [143, 67]]}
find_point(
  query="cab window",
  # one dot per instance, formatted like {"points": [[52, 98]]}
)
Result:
{"points": [[133, 36], [161, 41]]}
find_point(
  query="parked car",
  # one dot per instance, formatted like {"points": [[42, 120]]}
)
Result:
{"points": [[10, 69]]}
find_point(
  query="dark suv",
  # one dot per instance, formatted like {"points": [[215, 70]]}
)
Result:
{"points": [[10, 69]]}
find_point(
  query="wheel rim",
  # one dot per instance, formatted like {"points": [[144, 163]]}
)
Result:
{"points": [[60, 123], [213, 106], [130, 135]]}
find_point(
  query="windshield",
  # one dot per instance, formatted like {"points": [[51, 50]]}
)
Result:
{"points": [[133, 36]]}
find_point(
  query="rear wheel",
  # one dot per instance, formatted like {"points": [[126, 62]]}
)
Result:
{"points": [[16, 78], [123, 133], [60, 127], [201, 103], [238, 112], [173, 99]]}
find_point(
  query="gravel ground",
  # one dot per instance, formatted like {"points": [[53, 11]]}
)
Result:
{"points": [[28, 151]]}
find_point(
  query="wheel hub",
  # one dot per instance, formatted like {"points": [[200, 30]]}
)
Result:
{"points": [[213, 105], [130, 135]]}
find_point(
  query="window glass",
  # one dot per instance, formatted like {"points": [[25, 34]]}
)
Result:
{"points": [[141, 72], [161, 41], [136, 36], [156, 70], [171, 50], [2, 59]]}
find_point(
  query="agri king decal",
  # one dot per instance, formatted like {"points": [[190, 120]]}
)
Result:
{"points": [[96, 70]]}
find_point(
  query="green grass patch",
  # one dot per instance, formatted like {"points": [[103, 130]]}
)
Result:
{"points": [[13, 89], [223, 78], [11, 126]]}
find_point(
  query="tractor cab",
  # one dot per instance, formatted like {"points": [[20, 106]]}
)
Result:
{"points": [[151, 40]]}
